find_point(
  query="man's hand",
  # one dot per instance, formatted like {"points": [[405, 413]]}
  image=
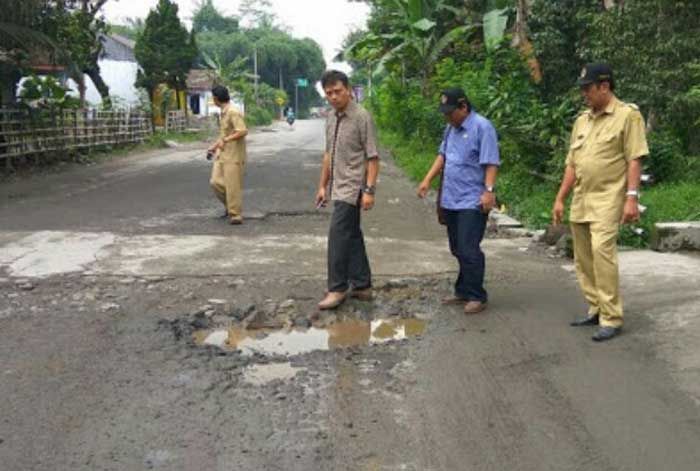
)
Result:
{"points": [[217, 145], [423, 189], [631, 211], [558, 212], [488, 201], [321, 198], [367, 201]]}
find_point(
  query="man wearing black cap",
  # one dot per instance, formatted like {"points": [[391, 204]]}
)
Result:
{"points": [[603, 167], [469, 160]]}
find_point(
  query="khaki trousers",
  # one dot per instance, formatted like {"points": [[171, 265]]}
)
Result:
{"points": [[227, 183], [595, 255]]}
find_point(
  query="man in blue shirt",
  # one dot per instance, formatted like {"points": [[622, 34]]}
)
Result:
{"points": [[468, 159]]}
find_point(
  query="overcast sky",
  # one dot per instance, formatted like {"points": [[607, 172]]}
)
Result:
{"points": [[326, 21]]}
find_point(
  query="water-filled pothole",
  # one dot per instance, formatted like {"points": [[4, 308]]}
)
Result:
{"points": [[349, 333]]}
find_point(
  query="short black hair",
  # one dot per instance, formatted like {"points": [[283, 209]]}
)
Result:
{"points": [[221, 93], [330, 77]]}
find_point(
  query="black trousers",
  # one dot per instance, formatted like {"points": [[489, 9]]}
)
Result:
{"points": [[347, 258], [465, 229]]}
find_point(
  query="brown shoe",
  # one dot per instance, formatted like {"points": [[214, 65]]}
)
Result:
{"points": [[332, 301], [362, 294], [453, 301], [236, 221], [474, 307]]}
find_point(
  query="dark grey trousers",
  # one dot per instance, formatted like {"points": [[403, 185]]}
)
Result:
{"points": [[347, 258]]}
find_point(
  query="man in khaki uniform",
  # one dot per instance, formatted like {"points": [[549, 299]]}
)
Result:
{"points": [[229, 164], [603, 167]]}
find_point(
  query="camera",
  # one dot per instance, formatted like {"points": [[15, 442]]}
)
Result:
{"points": [[210, 155]]}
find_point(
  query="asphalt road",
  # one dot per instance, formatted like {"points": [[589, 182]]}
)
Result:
{"points": [[113, 279]]}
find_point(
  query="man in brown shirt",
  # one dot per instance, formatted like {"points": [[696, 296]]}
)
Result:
{"points": [[348, 178], [603, 167], [230, 151]]}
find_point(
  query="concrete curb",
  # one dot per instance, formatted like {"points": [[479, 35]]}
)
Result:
{"points": [[676, 236]]}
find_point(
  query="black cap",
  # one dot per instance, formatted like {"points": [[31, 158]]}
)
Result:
{"points": [[595, 73], [451, 99]]}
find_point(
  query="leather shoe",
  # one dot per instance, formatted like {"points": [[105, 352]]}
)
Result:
{"points": [[590, 320], [331, 301], [236, 221], [606, 333], [474, 307]]}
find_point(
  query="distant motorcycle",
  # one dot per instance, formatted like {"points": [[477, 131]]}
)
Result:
{"points": [[290, 118]]}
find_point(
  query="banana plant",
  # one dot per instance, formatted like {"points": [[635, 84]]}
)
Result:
{"points": [[414, 37]]}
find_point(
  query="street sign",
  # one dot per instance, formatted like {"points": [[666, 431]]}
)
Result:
{"points": [[302, 82], [279, 100]]}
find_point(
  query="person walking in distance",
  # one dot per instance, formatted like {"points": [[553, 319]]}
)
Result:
{"points": [[348, 179], [230, 157]]}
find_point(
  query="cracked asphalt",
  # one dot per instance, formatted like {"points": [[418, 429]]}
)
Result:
{"points": [[124, 304]]}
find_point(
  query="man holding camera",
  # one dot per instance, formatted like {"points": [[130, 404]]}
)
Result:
{"points": [[229, 157]]}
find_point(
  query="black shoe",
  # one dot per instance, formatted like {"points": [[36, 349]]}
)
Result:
{"points": [[590, 320], [606, 333], [223, 216]]}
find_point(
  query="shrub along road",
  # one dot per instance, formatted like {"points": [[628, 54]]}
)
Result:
{"points": [[140, 331]]}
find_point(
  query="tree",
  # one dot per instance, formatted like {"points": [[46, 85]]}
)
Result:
{"points": [[68, 30], [257, 13], [25, 27], [281, 59], [208, 18], [81, 36], [410, 33], [165, 50]]}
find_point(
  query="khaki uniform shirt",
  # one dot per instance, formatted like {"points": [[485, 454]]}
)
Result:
{"points": [[601, 147], [350, 141], [232, 121]]}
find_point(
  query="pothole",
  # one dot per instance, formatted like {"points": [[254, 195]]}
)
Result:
{"points": [[297, 341]]}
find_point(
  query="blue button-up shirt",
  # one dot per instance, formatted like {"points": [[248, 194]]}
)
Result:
{"points": [[467, 150]]}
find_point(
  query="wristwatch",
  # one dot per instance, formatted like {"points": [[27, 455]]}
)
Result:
{"points": [[490, 189], [369, 189], [634, 193]]}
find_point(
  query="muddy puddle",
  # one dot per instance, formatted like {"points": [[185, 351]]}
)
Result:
{"points": [[350, 333]]}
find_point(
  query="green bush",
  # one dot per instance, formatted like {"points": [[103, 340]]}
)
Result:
{"points": [[667, 160], [665, 203], [256, 116]]}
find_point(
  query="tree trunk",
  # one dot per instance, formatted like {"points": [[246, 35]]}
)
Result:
{"points": [[522, 42], [94, 73], [79, 79]]}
